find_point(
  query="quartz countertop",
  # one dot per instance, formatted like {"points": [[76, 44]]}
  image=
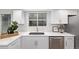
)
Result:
{"points": [[48, 34], [7, 41]]}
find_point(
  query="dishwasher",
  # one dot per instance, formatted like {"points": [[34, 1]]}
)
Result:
{"points": [[56, 42]]}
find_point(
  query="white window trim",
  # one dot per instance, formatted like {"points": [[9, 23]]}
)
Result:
{"points": [[37, 17]]}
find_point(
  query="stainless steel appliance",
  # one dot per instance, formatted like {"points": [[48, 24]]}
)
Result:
{"points": [[56, 42]]}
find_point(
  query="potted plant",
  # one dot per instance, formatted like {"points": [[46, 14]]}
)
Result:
{"points": [[12, 28]]}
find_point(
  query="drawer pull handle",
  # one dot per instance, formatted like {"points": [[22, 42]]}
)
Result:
{"points": [[13, 43]]}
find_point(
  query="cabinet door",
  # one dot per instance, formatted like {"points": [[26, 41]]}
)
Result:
{"points": [[54, 17], [69, 42], [27, 43], [41, 42], [72, 12], [14, 45], [34, 42], [18, 16], [59, 17]]}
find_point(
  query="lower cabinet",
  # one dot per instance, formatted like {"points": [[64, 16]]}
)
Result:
{"points": [[69, 42], [35, 42], [45, 42], [42, 42], [13, 45], [66, 42]]}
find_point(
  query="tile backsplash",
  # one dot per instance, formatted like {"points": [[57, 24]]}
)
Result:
{"points": [[55, 28]]}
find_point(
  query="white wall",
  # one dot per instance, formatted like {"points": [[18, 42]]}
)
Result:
{"points": [[40, 28], [25, 27], [47, 28]]}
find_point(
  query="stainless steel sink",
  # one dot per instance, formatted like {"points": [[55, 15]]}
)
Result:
{"points": [[36, 33]]}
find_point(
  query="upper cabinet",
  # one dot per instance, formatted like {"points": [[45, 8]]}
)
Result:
{"points": [[18, 16], [59, 17], [72, 12]]}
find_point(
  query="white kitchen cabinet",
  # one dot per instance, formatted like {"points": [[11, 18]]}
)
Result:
{"points": [[59, 17], [35, 42], [18, 16], [3, 47], [42, 43], [27, 43], [13, 45], [72, 12], [69, 42]]}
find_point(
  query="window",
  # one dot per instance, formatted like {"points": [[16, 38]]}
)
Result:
{"points": [[37, 19], [6, 21]]}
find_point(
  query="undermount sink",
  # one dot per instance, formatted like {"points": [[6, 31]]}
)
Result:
{"points": [[36, 33]]}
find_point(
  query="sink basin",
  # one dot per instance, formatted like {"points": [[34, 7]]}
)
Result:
{"points": [[36, 33]]}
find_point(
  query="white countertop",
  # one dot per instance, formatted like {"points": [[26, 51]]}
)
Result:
{"points": [[48, 34], [7, 41]]}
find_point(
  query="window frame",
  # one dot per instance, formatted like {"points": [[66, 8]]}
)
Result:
{"points": [[37, 20]]}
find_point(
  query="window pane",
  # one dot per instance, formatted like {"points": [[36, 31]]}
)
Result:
{"points": [[41, 19], [32, 19], [42, 15], [37, 19], [32, 15], [41, 23], [32, 23]]}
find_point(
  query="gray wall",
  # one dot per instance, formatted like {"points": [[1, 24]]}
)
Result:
{"points": [[6, 21], [3, 23]]}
